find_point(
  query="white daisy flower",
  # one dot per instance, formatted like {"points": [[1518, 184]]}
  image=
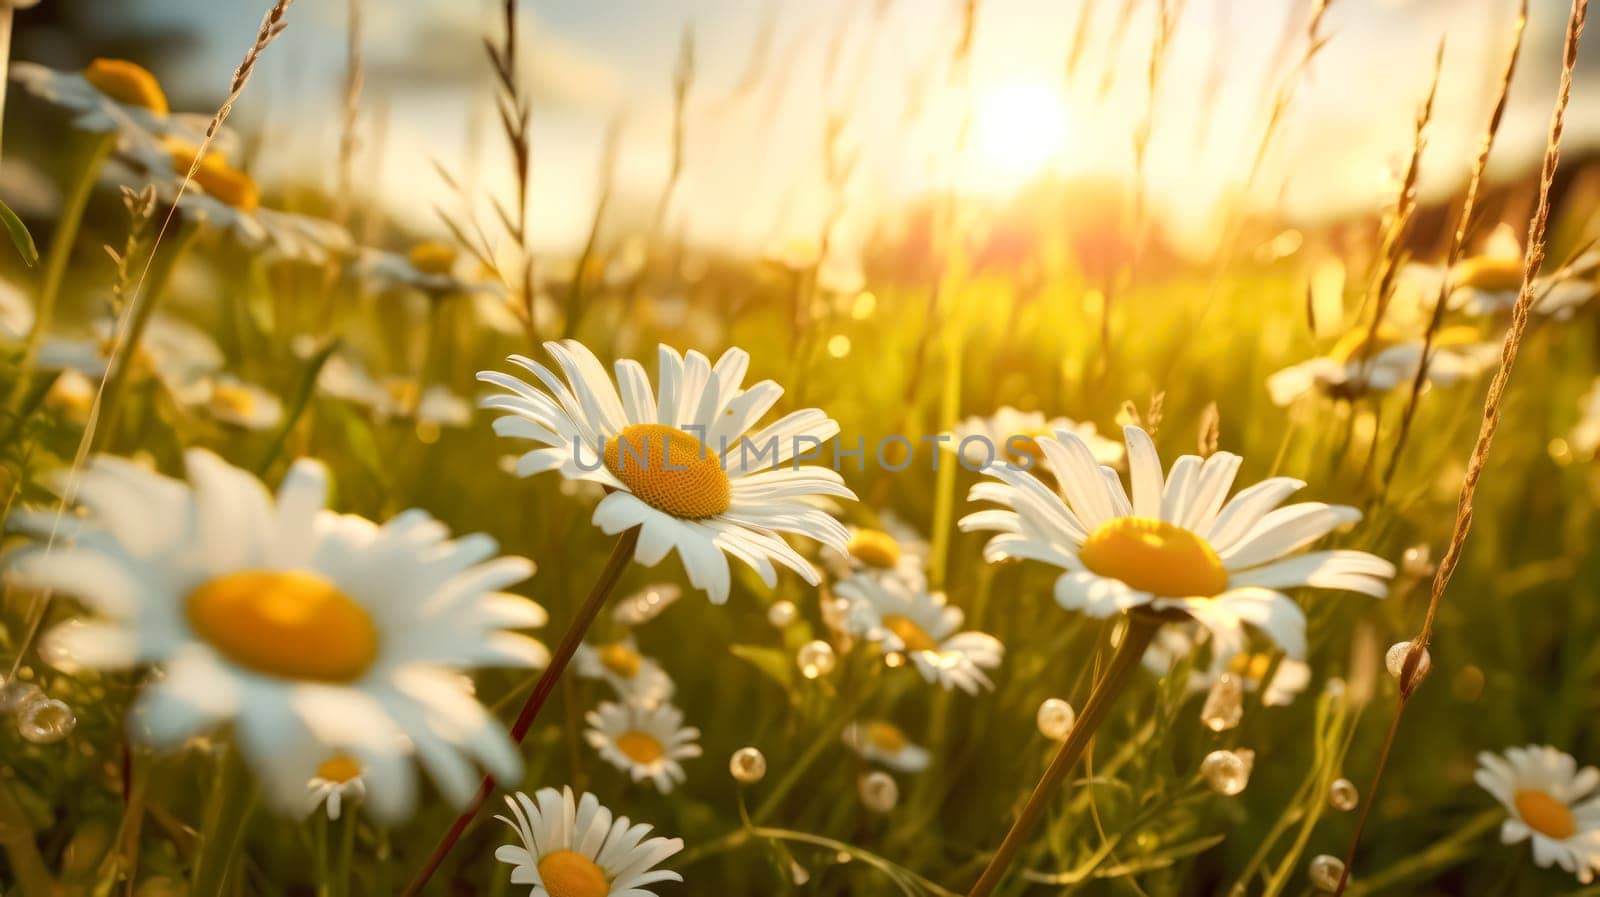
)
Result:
{"points": [[1487, 285], [908, 620], [882, 742], [234, 402], [1352, 369], [1585, 436], [645, 605], [430, 268], [575, 849], [635, 678], [303, 630], [1175, 642], [1552, 803], [113, 96], [338, 782], [177, 352], [1177, 544], [679, 459], [1011, 435], [393, 397], [895, 550], [16, 312], [644, 742]]}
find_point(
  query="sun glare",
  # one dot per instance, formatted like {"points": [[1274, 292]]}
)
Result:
{"points": [[1019, 127]]}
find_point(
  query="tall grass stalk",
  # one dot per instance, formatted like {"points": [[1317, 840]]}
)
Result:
{"points": [[621, 556], [1458, 241], [1532, 261]]}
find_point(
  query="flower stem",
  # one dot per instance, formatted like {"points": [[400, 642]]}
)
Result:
{"points": [[28, 870], [232, 800], [55, 272], [1141, 629], [621, 555]]}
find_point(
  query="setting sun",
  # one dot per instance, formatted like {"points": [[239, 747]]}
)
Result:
{"points": [[1018, 128]]}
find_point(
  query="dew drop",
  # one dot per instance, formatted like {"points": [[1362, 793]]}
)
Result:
{"points": [[16, 694], [1395, 660], [1055, 718], [1343, 796], [815, 659], [879, 792], [46, 721], [748, 765], [1227, 772], [1224, 705], [1325, 871], [782, 613]]}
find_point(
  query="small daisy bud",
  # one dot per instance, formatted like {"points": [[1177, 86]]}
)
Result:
{"points": [[748, 765], [1224, 705], [815, 659], [46, 721], [1227, 772], [1325, 872], [879, 791], [1055, 718], [1343, 796], [781, 614], [1395, 660]]}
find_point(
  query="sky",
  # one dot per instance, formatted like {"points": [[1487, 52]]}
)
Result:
{"points": [[770, 76]]}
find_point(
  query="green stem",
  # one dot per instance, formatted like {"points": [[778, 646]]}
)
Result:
{"points": [[55, 272], [829, 735], [28, 870], [232, 800], [141, 310], [1141, 629], [347, 849]]}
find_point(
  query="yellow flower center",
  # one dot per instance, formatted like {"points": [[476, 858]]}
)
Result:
{"points": [[1154, 556], [433, 258], [1354, 344], [1495, 274], [886, 737], [1544, 814], [640, 747], [230, 398], [620, 659], [669, 470], [567, 873], [127, 83], [404, 392], [1252, 667], [285, 623], [216, 177], [914, 636], [875, 548], [339, 768]]}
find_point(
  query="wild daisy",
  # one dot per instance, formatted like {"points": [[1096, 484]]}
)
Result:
{"points": [[635, 678], [303, 630], [1487, 284], [338, 782], [177, 352], [895, 549], [111, 96], [392, 397], [908, 620], [231, 401], [430, 268], [644, 742], [1177, 544], [1356, 365], [1175, 642], [1010, 435], [1551, 803], [574, 848], [880, 741], [680, 460]]}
